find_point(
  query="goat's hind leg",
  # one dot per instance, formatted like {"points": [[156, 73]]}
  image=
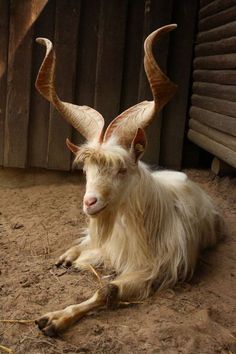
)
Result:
{"points": [[55, 322]]}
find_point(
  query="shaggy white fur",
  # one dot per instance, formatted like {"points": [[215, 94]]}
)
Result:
{"points": [[153, 226]]}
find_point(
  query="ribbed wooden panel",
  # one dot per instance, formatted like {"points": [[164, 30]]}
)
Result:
{"points": [[213, 111], [218, 19], [223, 46], [209, 7]]}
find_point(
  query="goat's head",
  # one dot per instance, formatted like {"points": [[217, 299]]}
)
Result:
{"points": [[109, 157]]}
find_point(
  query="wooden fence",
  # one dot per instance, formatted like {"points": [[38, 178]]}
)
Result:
{"points": [[99, 46]]}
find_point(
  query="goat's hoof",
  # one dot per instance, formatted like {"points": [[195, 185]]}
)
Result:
{"points": [[50, 331], [66, 264], [51, 324], [42, 322], [67, 258]]}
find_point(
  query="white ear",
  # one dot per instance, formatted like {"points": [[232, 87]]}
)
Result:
{"points": [[72, 147], [138, 144]]}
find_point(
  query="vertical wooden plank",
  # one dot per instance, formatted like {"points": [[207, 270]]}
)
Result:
{"points": [[110, 57], [180, 64], [65, 41], [157, 14], [4, 21], [18, 83], [40, 108], [87, 56], [133, 53]]}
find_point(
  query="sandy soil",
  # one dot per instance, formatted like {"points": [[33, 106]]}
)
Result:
{"points": [[40, 215]]}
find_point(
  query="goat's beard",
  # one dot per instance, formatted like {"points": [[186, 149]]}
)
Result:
{"points": [[102, 223]]}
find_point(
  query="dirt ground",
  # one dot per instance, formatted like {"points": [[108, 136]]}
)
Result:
{"points": [[40, 217]]}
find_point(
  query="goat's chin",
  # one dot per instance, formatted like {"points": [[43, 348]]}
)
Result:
{"points": [[94, 211]]}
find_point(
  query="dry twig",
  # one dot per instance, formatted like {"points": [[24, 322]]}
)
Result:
{"points": [[5, 349], [96, 274], [18, 321]]}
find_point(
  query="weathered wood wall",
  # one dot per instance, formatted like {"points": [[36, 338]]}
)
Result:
{"points": [[213, 111], [99, 46]]}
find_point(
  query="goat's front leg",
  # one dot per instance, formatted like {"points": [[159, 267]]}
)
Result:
{"points": [[68, 257], [55, 322]]}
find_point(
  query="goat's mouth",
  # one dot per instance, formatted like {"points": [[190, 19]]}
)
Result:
{"points": [[94, 211]]}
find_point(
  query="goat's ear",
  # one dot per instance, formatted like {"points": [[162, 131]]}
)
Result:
{"points": [[138, 144], [72, 147]]}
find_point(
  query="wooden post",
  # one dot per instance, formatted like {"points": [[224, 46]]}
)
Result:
{"points": [[220, 168], [65, 43], [18, 83], [109, 68], [87, 57], [40, 108]]}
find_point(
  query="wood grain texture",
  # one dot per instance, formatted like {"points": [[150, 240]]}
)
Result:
{"points": [[215, 120], [40, 108], [218, 19], [224, 92], [65, 43], [157, 14], [221, 62], [215, 105], [203, 3], [223, 46], [214, 7], [18, 83], [216, 76], [87, 57], [219, 150], [217, 33], [214, 134], [133, 54], [112, 24], [4, 11]]}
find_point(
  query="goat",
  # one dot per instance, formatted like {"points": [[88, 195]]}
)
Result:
{"points": [[148, 226]]}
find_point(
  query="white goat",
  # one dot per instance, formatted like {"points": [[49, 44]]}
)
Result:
{"points": [[148, 226]]}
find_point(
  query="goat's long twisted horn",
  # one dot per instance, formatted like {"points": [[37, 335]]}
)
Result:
{"points": [[140, 116], [83, 118]]}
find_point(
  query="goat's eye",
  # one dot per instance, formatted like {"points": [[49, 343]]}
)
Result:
{"points": [[122, 171]]}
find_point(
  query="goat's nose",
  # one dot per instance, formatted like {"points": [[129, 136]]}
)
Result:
{"points": [[89, 201]]}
